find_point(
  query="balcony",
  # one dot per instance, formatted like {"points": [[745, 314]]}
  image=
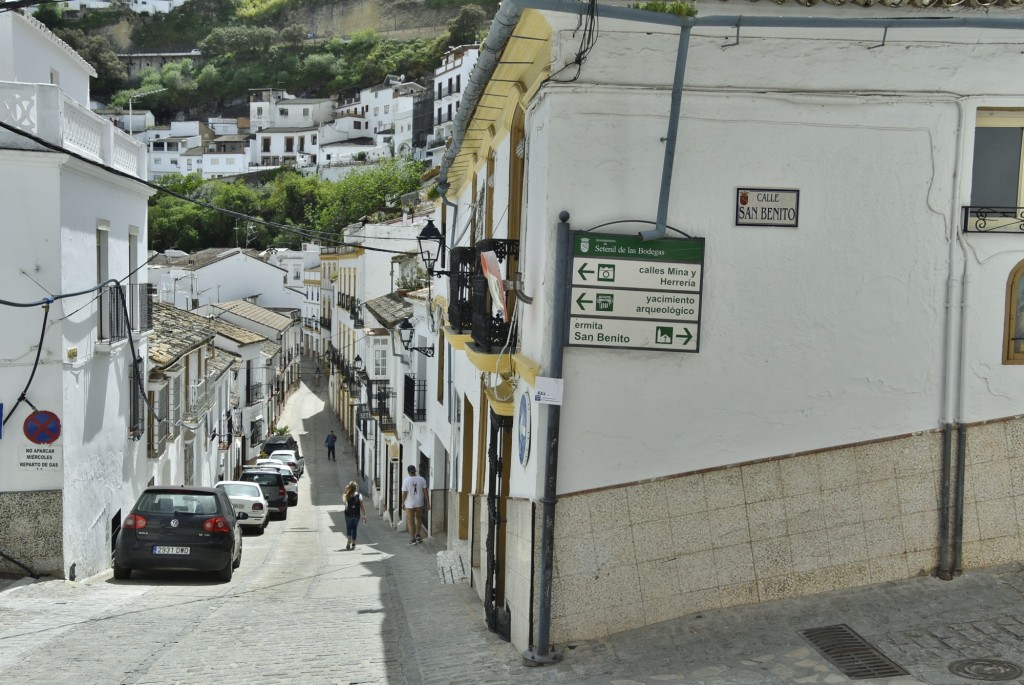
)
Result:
{"points": [[46, 112], [253, 394], [198, 399], [415, 399], [113, 315], [993, 219], [382, 396], [325, 323], [141, 306]]}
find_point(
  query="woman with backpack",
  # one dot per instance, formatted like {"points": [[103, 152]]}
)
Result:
{"points": [[353, 508]]}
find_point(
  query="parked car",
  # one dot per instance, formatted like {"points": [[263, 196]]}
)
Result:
{"points": [[180, 528], [272, 484], [292, 458], [249, 498], [291, 483], [280, 442]]}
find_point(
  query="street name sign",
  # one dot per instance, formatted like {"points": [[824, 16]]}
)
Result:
{"points": [[630, 293]]}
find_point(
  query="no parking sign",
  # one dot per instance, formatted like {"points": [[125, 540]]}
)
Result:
{"points": [[42, 427]]}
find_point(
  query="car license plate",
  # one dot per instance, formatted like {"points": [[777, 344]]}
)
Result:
{"points": [[171, 550], [239, 507]]}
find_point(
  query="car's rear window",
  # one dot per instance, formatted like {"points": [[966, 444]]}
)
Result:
{"points": [[177, 503], [244, 489], [262, 478]]}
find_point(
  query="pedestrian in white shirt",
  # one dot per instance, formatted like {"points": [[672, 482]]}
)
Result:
{"points": [[417, 498]]}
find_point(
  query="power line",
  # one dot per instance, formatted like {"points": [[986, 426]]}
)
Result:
{"points": [[302, 232]]}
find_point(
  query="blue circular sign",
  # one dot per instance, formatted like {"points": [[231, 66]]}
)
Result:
{"points": [[524, 429], [42, 427]]}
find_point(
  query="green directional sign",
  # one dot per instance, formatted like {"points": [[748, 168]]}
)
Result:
{"points": [[631, 293]]}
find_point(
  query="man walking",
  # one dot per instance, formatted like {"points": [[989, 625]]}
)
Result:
{"points": [[416, 499], [329, 441]]}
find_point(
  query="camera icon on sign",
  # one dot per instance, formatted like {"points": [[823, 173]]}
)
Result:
{"points": [[606, 272]]}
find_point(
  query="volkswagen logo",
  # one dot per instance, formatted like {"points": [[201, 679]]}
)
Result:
{"points": [[174, 523]]}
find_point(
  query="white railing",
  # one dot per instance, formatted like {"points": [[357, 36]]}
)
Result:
{"points": [[45, 112]]}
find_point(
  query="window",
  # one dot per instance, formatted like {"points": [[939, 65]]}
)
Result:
{"points": [[305, 111], [312, 139], [266, 145], [1013, 346], [997, 181], [386, 108], [54, 77], [358, 125], [289, 144], [380, 361], [282, 111]]}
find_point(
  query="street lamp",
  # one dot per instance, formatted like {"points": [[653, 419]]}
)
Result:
{"points": [[131, 100], [428, 235], [405, 331]]}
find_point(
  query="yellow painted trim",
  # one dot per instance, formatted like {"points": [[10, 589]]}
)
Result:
{"points": [[489, 362], [500, 406], [458, 340], [528, 55], [526, 368]]}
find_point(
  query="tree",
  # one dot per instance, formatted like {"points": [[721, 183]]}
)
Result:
{"points": [[111, 72], [466, 26], [238, 41]]}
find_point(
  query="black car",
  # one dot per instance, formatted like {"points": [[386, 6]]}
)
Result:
{"points": [[180, 528], [280, 442], [271, 482]]}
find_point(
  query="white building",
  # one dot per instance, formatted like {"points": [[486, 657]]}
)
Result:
{"points": [[73, 458], [226, 155], [169, 148], [189, 388], [213, 275], [271, 108], [449, 81], [786, 320], [245, 423]]}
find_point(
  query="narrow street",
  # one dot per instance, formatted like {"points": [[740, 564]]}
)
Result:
{"points": [[300, 609]]}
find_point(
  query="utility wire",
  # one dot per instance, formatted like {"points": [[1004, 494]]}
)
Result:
{"points": [[302, 232]]}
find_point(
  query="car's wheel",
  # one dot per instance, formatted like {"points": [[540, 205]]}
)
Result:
{"points": [[121, 573], [226, 572], [238, 561], [284, 514], [261, 528]]}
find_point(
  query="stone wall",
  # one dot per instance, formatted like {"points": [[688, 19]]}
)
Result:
{"points": [[31, 531], [639, 554]]}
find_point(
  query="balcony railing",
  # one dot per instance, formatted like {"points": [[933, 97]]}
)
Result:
{"points": [[46, 112], [141, 306], [253, 394], [161, 431], [113, 313], [198, 399], [993, 220], [460, 306], [415, 399], [325, 323]]}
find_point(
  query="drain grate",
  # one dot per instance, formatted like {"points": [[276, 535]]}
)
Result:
{"points": [[986, 669], [850, 653]]}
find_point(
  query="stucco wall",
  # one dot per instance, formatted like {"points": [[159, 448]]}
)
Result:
{"points": [[22, 516], [635, 555]]}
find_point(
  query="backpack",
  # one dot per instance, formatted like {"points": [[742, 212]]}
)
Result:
{"points": [[352, 506]]}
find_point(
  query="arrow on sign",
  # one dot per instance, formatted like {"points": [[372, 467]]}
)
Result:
{"points": [[580, 301], [583, 271], [687, 336]]}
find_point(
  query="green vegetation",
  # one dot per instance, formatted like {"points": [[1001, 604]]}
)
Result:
{"points": [[680, 9], [314, 207]]}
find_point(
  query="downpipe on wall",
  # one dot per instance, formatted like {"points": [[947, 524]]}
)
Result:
{"points": [[541, 654]]}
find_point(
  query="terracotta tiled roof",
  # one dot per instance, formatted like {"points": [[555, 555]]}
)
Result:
{"points": [[176, 332], [240, 335], [389, 309], [256, 313], [198, 260], [270, 348]]}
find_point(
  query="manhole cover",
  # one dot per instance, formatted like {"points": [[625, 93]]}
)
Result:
{"points": [[850, 653], [985, 669]]}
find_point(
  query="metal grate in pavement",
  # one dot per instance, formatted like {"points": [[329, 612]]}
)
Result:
{"points": [[850, 653]]}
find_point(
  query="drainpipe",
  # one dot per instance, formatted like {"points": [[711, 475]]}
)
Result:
{"points": [[541, 653], [961, 434], [954, 355]]}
